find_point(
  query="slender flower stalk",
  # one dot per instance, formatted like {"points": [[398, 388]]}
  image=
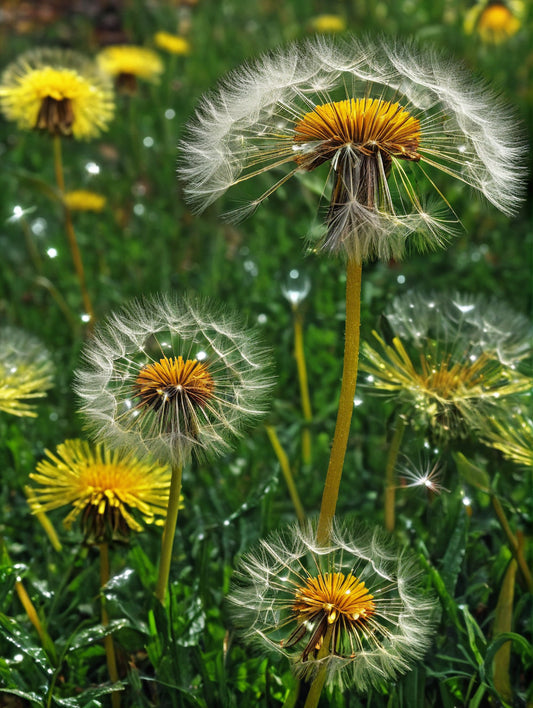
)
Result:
{"points": [[286, 471], [299, 355], [295, 289], [71, 234], [390, 483], [108, 639], [168, 533], [345, 409]]}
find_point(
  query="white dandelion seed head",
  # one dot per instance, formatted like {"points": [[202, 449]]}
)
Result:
{"points": [[172, 421], [269, 579], [247, 126], [450, 361]]}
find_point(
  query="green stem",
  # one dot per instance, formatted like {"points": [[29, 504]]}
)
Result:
{"points": [[108, 639], [299, 355], [318, 682], [71, 235], [516, 548], [286, 470], [390, 477], [168, 533], [345, 410]]}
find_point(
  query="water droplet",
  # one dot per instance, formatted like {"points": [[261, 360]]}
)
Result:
{"points": [[148, 141], [170, 113], [51, 252], [92, 168]]}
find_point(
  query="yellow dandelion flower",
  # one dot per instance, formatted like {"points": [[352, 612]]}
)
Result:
{"points": [[84, 200], [127, 63], [328, 23], [25, 372], [58, 91], [172, 43], [494, 20], [108, 489]]}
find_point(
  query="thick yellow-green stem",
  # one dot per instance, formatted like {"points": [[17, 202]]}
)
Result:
{"points": [[299, 355], [168, 533], [108, 639], [516, 548], [29, 607], [390, 478], [71, 235], [345, 410], [286, 470], [318, 682]]}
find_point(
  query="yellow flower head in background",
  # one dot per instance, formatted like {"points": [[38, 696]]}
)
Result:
{"points": [[172, 43], [328, 23], [109, 489], [127, 63], [494, 20], [57, 91], [25, 372], [84, 200]]}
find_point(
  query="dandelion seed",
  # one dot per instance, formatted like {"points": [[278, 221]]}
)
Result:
{"points": [[107, 490], [168, 377], [381, 117], [57, 91], [25, 372], [423, 475], [289, 594]]}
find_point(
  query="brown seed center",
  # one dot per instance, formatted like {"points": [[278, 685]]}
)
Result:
{"points": [[55, 116]]}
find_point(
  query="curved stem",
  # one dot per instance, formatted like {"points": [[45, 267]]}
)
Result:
{"points": [[299, 355], [108, 639], [390, 479], [345, 410], [286, 470], [71, 235], [168, 533]]}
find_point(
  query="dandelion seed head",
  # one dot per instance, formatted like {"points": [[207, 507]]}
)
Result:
{"points": [[289, 590], [172, 377], [26, 372], [378, 113]]}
